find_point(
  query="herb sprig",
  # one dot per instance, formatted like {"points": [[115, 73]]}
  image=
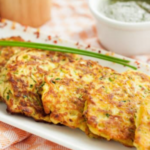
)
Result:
{"points": [[57, 48]]}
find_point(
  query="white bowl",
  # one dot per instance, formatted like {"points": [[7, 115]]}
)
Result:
{"points": [[121, 37]]}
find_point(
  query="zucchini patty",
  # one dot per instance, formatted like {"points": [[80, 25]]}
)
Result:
{"points": [[22, 78], [65, 90]]}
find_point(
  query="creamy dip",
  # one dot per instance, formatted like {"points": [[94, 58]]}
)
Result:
{"points": [[127, 10]]}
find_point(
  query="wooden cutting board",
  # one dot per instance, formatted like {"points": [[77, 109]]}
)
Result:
{"points": [[27, 12]]}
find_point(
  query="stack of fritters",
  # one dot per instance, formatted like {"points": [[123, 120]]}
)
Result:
{"points": [[23, 77], [65, 90], [62, 88]]}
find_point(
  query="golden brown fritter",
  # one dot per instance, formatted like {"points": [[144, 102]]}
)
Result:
{"points": [[142, 121], [109, 109], [141, 89], [111, 105], [64, 91], [140, 85], [64, 99], [7, 52], [22, 77]]}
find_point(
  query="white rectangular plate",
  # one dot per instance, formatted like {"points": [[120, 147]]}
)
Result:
{"points": [[71, 138]]}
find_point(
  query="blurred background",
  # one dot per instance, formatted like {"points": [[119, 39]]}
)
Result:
{"points": [[69, 19], [73, 20]]}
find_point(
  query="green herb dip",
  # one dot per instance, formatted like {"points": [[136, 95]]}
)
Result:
{"points": [[127, 10]]}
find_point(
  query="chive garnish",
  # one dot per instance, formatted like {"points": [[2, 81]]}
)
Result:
{"points": [[42, 85], [4, 91], [107, 115], [31, 85], [53, 82], [110, 79], [7, 97], [33, 79], [80, 96], [57, 79], [64, 49], [124, 101]]}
